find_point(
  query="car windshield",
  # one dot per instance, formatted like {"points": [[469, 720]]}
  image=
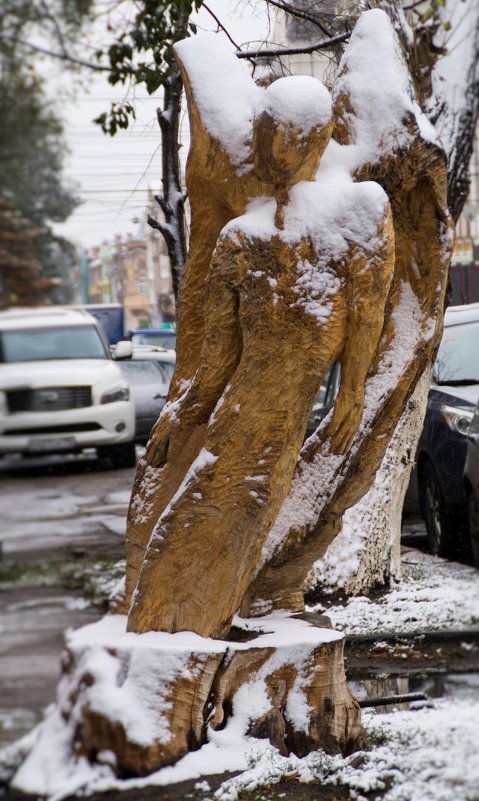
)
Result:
{"points": [[157, 340], [147, 372], [457, 360], [39, 344]]}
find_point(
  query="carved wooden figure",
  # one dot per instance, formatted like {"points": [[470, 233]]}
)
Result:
{"points": [[220, 181], [294, 286]]}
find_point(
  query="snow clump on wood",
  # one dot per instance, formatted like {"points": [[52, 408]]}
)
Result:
{"points": [[223, 90], [299, 101]]}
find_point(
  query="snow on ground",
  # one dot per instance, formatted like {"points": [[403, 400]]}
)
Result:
{"points": [[433, 595], [423, 755], [427, 754]]}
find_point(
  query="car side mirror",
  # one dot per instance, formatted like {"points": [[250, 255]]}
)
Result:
{"points": [[123, 350]]}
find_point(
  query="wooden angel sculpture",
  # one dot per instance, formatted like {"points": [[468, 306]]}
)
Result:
{"points": [[396, 149], [296, 283]]}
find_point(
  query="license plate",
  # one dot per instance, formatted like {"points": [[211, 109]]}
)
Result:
{"points": [[51, 444]]}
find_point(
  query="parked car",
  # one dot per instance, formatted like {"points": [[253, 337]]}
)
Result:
{"points": [[60, 391], [437, 488], [471, 484], [157, 337], [440, 459], [325, 400], [110, 316], [153, 352], [149, 379]]}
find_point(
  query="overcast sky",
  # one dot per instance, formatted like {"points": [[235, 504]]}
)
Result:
{"points": [[113, 174]]}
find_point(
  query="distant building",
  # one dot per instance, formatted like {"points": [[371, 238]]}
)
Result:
{"points": [[134, 271], [465, 261], [130, 283], [290, 31], [98, 268]]}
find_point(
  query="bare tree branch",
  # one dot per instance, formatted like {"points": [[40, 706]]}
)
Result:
{"points": [[165, 230], [164, 206], [61, 56], [296, 12], [325, 44]]}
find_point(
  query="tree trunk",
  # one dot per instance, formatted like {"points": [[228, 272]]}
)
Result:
{"points": [[171, 202], [366, 554]]}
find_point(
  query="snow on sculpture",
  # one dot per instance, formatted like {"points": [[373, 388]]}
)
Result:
{"points": [[290, 268]]}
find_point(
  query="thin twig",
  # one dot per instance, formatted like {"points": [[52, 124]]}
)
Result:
{"points": [[220, 24], [413, 5], [296, 12], [56, 25]]}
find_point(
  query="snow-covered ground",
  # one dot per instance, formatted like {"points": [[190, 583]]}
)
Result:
{"points": [[424, 755], [428, 754], [433, 595], [419, 754]]}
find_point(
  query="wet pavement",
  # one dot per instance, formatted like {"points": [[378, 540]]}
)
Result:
{"points": [[62, 533]]}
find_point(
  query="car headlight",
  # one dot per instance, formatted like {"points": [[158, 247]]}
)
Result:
{"points": [[114, 395], [458, 420]]}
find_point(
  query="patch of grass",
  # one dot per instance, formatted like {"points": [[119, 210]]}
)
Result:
{"points": [[374, 739], [296, 791], [94, 577]]}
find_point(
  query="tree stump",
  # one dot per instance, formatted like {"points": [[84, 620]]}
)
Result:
{"points": [[148, 699]]}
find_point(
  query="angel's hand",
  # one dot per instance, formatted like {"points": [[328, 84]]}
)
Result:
{"points": [[347, 415]]}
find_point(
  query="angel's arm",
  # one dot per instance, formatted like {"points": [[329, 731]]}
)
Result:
{"points": [[219, 357], [368, 281]]}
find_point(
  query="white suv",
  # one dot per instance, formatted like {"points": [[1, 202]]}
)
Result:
{"points": [[60, 389]]}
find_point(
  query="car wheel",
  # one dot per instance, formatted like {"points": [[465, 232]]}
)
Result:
{"points": [[119, 456], [473, 519], [434, 511]]}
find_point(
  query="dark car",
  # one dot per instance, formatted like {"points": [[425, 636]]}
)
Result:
{"points": [[325, 400], [149, 380], [471, 485], [437, 488], [157, 337], [442, 447]]}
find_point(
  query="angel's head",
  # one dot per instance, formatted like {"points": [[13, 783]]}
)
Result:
{"points": [[292, 127]]}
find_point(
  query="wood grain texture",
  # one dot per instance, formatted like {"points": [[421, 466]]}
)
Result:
{"points": [[218, 191]]}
